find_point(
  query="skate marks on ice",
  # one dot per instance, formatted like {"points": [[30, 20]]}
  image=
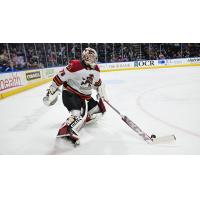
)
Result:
{"points": [[61, 147], [93, 141], [30, 119], [89, 145], [166, 98]]}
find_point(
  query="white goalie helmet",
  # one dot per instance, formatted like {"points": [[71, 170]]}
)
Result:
{"points": [[89, 56]]}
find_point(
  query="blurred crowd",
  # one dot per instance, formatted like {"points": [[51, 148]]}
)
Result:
{"points": [[18, 56]]}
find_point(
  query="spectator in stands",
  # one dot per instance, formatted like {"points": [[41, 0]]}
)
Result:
{"points": [[4, 61], [34, 56], [161, 56]]}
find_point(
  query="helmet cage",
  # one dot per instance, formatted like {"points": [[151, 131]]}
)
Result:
{"points": [[89, 56]]}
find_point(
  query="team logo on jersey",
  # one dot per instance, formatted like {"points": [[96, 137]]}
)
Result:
{"points": [[88, 80]]}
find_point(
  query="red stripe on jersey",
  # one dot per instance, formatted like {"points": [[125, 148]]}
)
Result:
{"points": [[57, 80], [72, 90]]}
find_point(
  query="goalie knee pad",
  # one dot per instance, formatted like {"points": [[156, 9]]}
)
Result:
{"points": [[99, 108], [93, 118], [95, 113], [76, 113]]}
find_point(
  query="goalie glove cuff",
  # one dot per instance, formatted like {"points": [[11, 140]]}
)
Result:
{"points": [[52, 89], [50, 99]]}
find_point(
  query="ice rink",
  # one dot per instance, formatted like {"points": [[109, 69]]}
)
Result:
{"points": [[160, 101]]}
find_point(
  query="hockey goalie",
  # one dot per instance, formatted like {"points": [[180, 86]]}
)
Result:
{"points": [[78, 80]]}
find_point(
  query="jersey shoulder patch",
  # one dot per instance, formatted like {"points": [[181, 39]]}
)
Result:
{"points": [[74, 66]]}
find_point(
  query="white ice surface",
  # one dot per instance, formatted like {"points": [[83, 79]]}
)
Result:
{"points": [[160, 101]]}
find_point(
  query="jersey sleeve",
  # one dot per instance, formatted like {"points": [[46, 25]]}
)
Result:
{"points": [[63, 76]]}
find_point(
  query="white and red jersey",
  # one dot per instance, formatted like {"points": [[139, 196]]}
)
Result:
{"points": [[78, 78]]}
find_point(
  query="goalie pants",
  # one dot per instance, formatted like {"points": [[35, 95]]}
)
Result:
{"points": [[74, 102]]}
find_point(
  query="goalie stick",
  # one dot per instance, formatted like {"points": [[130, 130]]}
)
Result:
{"points": [[140, 132]]}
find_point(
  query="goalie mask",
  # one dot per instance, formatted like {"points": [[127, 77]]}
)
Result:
{"points": [[89, 56]]}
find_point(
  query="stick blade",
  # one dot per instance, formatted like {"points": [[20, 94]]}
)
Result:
{"points": [[164, 139]]}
